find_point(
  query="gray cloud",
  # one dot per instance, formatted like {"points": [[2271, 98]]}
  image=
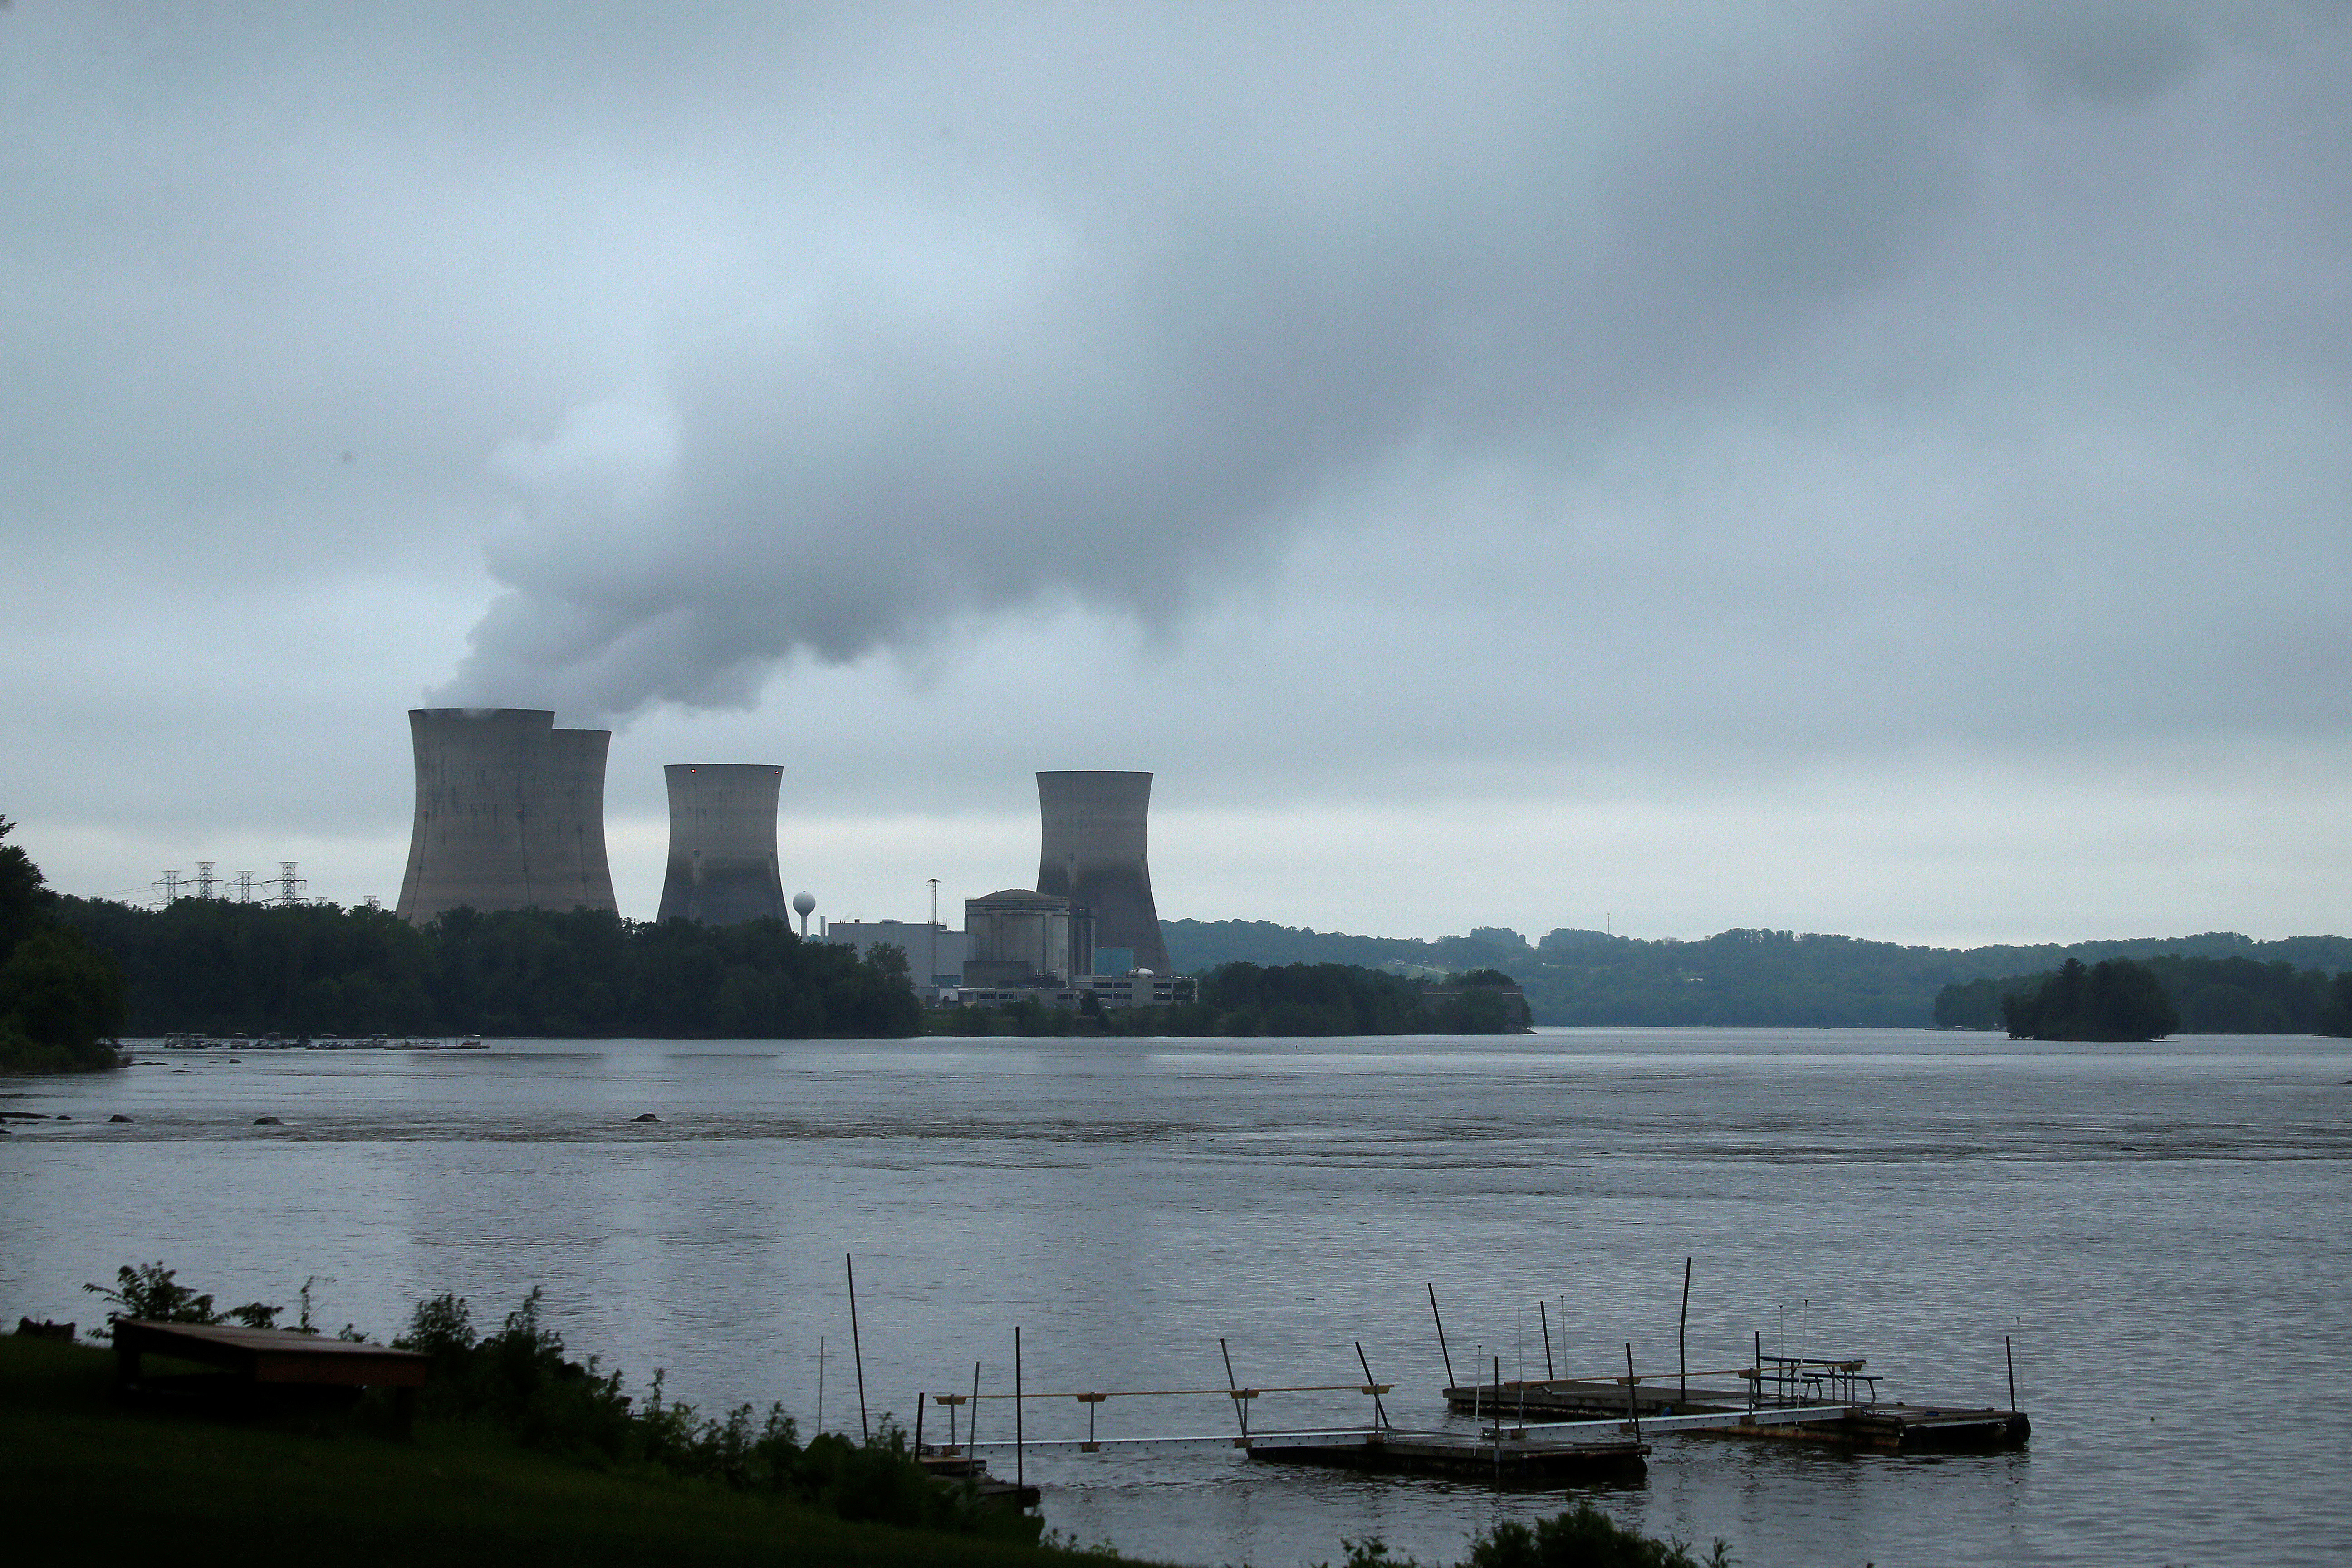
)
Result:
{"points": [[1141, 301]]}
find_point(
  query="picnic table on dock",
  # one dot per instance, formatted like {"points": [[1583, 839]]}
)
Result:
{"points": [[271, 1358]]}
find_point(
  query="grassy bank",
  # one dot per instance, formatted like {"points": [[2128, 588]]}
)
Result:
{"points": [[94, 1478]]}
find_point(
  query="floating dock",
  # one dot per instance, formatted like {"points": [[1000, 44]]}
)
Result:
{"points": [[1510, 1457], [1558, 1431], [1507, 1459], [1492, 1457], [1804, 1399]]}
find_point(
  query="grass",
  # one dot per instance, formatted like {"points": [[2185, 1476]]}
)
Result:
{"points": [[97, 1481]]}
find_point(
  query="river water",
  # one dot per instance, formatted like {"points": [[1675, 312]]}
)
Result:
{"points": [[2161, 1230]]}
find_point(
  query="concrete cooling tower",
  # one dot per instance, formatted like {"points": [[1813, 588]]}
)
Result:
{"points": [[1093, 855], [722, 844], [510, 813]]}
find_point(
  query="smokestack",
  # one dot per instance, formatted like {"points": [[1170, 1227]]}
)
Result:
{"points": [[510, 813], [1093, 855], [722, 844]]}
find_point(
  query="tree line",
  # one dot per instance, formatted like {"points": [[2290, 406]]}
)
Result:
{"points": [[215, 966], [1749, 977], [2206, 996]]}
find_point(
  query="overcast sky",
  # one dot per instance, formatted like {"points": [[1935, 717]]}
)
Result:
{"points": [[1879, 468]]}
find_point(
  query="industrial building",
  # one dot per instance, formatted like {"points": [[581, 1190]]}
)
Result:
{"points": [[1019, 938], [935, 955], [722, 844], [1138, 989], [510, 813], [1092, 855]]}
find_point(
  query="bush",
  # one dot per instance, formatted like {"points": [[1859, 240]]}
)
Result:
{"points": [[1583, 1537], [151, 1292]]}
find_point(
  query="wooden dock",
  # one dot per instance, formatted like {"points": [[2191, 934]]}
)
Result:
{"points": [[1793, 1411], [1510, 1460]]}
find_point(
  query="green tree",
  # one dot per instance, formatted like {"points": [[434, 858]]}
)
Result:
{"points": [[23, 899], [2335, 1014], [61, 998]]}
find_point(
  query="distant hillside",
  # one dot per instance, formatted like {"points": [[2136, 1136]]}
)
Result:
{"points": [[1735, 977]]}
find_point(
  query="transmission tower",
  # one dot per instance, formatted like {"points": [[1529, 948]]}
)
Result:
{"points": [[203, 878], [245, 887], [289, 886], [168, 889]]}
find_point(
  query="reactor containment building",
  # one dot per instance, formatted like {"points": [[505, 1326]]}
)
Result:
{"points": [[722, 844], [510, 813], [1092, 855]]}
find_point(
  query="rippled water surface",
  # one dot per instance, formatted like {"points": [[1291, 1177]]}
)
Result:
{"points": [[2162, 1230]]}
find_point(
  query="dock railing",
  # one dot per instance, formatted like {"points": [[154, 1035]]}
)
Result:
{"points": [[1242, 1400], [1769, 1382]]}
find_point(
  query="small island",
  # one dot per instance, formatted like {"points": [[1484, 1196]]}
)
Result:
{"points": [[2114, 999]]}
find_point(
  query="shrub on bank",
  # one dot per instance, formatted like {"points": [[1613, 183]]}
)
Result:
{"points": [[519, 1382], [1583, 1537]]}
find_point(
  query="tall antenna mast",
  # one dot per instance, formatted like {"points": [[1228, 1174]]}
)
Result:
{"points": [[931, 975]]}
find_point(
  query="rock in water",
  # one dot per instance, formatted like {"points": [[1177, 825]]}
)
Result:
{"points": [[268, 1122], [648, 1116]]}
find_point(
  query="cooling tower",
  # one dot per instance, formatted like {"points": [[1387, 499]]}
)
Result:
{"points": [[722, 844], [510, 813], [1093, 855]]}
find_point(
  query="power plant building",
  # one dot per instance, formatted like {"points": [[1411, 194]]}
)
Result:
{"points": [[1092, 857], [510, 813], [1019, 938], [722, 844]]}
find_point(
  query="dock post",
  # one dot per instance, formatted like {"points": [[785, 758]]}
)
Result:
{"points": [[857, 1351], [1019, 1437], [1441, 1337], [1543, 1316], [1756, 1382], [1633, 1404], [1682, 1336], [1498, 1422], [1380, 1416], [919, 1425], [2009, 1354], [971, 1427], [1241, 1406], [819, 1382]]}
